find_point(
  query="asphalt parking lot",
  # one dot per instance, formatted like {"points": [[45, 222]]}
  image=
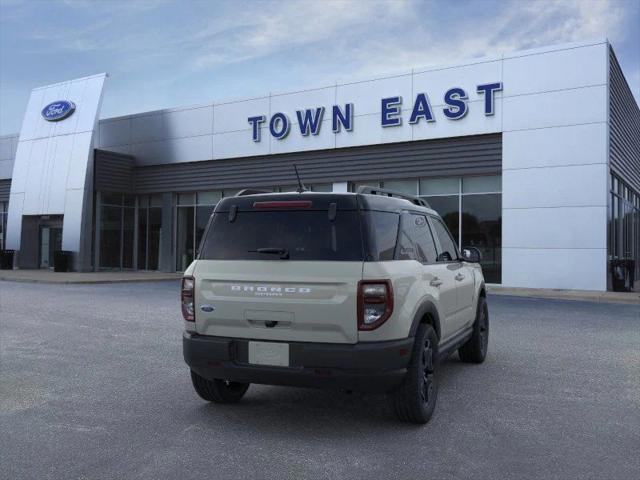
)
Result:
{"points": [[93, 386]]}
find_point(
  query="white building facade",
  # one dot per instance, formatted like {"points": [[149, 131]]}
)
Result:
{"points": [[533, 157]]}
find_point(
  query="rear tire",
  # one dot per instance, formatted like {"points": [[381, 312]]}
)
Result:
{"points": [[218, 391], [415, 400], [475, 349]]}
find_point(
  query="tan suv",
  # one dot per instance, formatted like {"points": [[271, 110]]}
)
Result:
{"points": [[357, 291]]}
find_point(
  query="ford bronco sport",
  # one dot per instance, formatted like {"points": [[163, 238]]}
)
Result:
{"points": [[357, 291]]}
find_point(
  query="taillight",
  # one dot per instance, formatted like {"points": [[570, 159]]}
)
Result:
{"points": [[186, 298], [375, 303]]}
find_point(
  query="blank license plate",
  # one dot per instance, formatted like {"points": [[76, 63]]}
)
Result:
{"points": [[268, 353]]}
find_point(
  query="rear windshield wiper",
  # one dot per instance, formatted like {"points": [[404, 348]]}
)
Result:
{"points": [[283, 252]]}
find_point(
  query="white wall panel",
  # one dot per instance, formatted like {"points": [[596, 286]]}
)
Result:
{"points": [[59, 172], [115, 132], [572, 186], [290, 102], [295, 142], [78, 159], [188, 149], [435, 83], [32, 115], [475, 122], [366, 96], [572, 145], [554, 109], [147, 128], [564, 227], [189, 122], [562, 69], [6, 169], [580, 269], [231, 117], [239, 144], [72, 221]]}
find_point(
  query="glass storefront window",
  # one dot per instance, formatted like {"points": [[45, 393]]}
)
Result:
{"points": [[191, 222], [482, 184], [448, 206], [482, 228], [3, 223], [110, 236], [439, 186], [410, 187]]}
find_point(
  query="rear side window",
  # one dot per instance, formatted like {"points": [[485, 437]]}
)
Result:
{"points": [[415, 241], [381, 236], [303, 235], [449, 251]]}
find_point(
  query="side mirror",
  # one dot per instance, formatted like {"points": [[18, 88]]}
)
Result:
{"points": [[471, 255]]}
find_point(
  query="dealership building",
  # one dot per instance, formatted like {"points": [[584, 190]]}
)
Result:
{"points": [[533, 157]]}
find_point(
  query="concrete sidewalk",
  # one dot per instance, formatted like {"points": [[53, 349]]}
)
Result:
{"points": [[584, 295], [48, 276]]}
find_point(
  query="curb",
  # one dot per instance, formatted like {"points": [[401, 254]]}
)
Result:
{"points": [[631, 298]]}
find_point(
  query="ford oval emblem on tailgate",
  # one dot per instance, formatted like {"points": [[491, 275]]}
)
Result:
{"points": [[207, 308]]}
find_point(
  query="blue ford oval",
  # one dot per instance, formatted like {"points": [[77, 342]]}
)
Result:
{"points": [[59, 110]]}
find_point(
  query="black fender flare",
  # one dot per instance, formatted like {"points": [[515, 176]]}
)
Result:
{"points": [[426, 308]]}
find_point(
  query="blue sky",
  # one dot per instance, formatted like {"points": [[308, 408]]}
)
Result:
{"points": [[162, 53]]}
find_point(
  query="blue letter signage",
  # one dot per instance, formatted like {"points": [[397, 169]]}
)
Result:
{"points": [[455, 99], [56, 111]]}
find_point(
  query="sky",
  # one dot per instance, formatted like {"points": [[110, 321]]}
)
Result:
{"points": [[162, 53]]}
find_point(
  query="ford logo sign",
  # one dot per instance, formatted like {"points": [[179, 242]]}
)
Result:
{"points": [[56, 111]]}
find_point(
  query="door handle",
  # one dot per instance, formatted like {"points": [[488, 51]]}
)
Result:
{"points": [[459, 277], [436, 282]]}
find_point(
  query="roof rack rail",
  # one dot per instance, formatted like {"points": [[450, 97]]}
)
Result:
{"points": [[391, 193], [250, 191]]}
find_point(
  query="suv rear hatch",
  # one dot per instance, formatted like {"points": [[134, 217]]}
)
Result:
{"points": [[281, 267]]}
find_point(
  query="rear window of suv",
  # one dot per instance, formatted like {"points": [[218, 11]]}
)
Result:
{"points": [[290, 234]]}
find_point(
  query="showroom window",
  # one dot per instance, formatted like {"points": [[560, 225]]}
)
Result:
{"points": [[117, 230], [149, 231], [3, 223], [470, 206], [624, 235]]}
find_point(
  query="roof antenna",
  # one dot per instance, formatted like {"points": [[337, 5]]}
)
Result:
{"points": [[301, 187]]}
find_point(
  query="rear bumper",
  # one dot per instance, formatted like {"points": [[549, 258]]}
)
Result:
{"points": [[366, 367]]}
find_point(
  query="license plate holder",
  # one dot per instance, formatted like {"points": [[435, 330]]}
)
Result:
{"points": [[269, 353]]}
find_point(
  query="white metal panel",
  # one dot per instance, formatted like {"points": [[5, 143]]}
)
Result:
{"points": [[572, 145], [230, 117], [562, 69], [291, 102], [78, 158], [115, 132], [475, 122], [6, 148], [240, 144], [73, 92], [366, 96], [581, 269], [366, 131], [50, 94], [14, 219], [577, 186], [34, 170], [554, 109], [59, 170], [89, 108], [6, 169], [435, 83], [189, 122], [32, 116], [295, 142], [551, 228], [188, 149], [72, 220], [148, 128]]}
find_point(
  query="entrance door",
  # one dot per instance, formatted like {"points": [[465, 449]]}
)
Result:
{"points": [[50, 242]]}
